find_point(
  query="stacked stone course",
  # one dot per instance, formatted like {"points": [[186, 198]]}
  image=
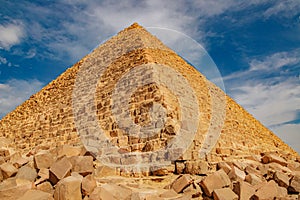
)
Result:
{"points": [[46, 120]]}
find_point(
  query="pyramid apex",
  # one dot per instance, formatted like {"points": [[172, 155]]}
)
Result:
{"points": [[133, 26]]}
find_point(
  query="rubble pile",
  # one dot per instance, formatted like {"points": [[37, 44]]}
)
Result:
{"points": [[70, 172]]}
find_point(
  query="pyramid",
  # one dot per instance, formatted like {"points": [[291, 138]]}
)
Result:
{"points": [[133, 101]]}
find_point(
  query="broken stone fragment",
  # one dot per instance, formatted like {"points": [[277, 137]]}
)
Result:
{"points": [[282, 179], [43, 159], [182, 182], [268, 158], [45, 187], [88, 184], [224, 194], [13, 188], [68, 188], [217, 180], [236, 174], [27, 173], [295, 184], [269, 190], [82, 164], [243, 189], [59, 170], [196, 167], [36, 195], [8, 170]]}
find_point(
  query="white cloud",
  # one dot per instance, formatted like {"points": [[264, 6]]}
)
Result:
{"points": [[15, 92], [290, 134], [285, 8], [276, 61], [10, 35], [270, 92], [3, 60]]}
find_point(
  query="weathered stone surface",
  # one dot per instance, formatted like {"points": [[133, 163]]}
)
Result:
{"points": [[103, 171], [236, 174], [111, 192], [36, 195], [268, 158], [82, 164], [268, 190], [45, 187], [43, 159], [179, 167], [68, 188], [27, 173], [243, 189], [69, 150], [88, 184], [181, 182], [253, 179], [224, 166], [13, 188], [295, 184], [8, 170], [217, 180], [282, 179], [196, 167], [59, 170], [224, 194]]}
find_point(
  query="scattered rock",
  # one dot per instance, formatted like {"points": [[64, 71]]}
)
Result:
{"points": [[217, 180], [224, 194], [36, 195], [59, 170], [181, 182], [27, 173], [68, 188], [8, 170]]}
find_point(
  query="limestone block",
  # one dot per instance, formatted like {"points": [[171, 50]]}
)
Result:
{"points": [[224, 166], [36, 195], [59, 170], [268, 158], [88, 184], [282, 179], [243, 189], [82, 164], [236, 174], [295, 184], [43, 159], [27, 173], [268, 190], [13, 188], [181, 182], [196, 167], [68, 188], [45, 187], [224, 194], [8, 170], [217, 180]]}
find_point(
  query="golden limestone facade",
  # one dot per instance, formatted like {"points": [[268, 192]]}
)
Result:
{"points": [[136, 69]]}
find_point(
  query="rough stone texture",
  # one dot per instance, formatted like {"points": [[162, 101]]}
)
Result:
{"points": [[59, 170], [36, 195], [13, 188], [243, 189], [46, 119], [182, 182], [214, 181], [224, 194], [8, 170], [295, 184], [27, 173], [88, 184], [68, 188], [43, 160]]}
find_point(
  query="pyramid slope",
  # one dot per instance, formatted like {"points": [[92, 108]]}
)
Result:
{"points": [[47, 118]]}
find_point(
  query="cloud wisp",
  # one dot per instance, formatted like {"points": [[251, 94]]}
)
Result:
{"points": [[14, 92], [10, 35]]}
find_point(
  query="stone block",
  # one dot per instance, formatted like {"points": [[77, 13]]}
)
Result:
{"points": [[59, 170], [236, 174], [282, 179], [182, 182], [243, 189], [224, 166], [45, 187], [43, 159], [224, 194], [68, 188], [82, 164], [268, 158], [268, 190], [217, 180], [196, 167], [13, 188], [68, 150], [36, 195], [253, 179], [179, 167], [8, 170], [27, 173], [88, 184], [295, 184]]}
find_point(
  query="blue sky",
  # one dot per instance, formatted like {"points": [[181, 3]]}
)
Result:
{"points": [[255, 45]]}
